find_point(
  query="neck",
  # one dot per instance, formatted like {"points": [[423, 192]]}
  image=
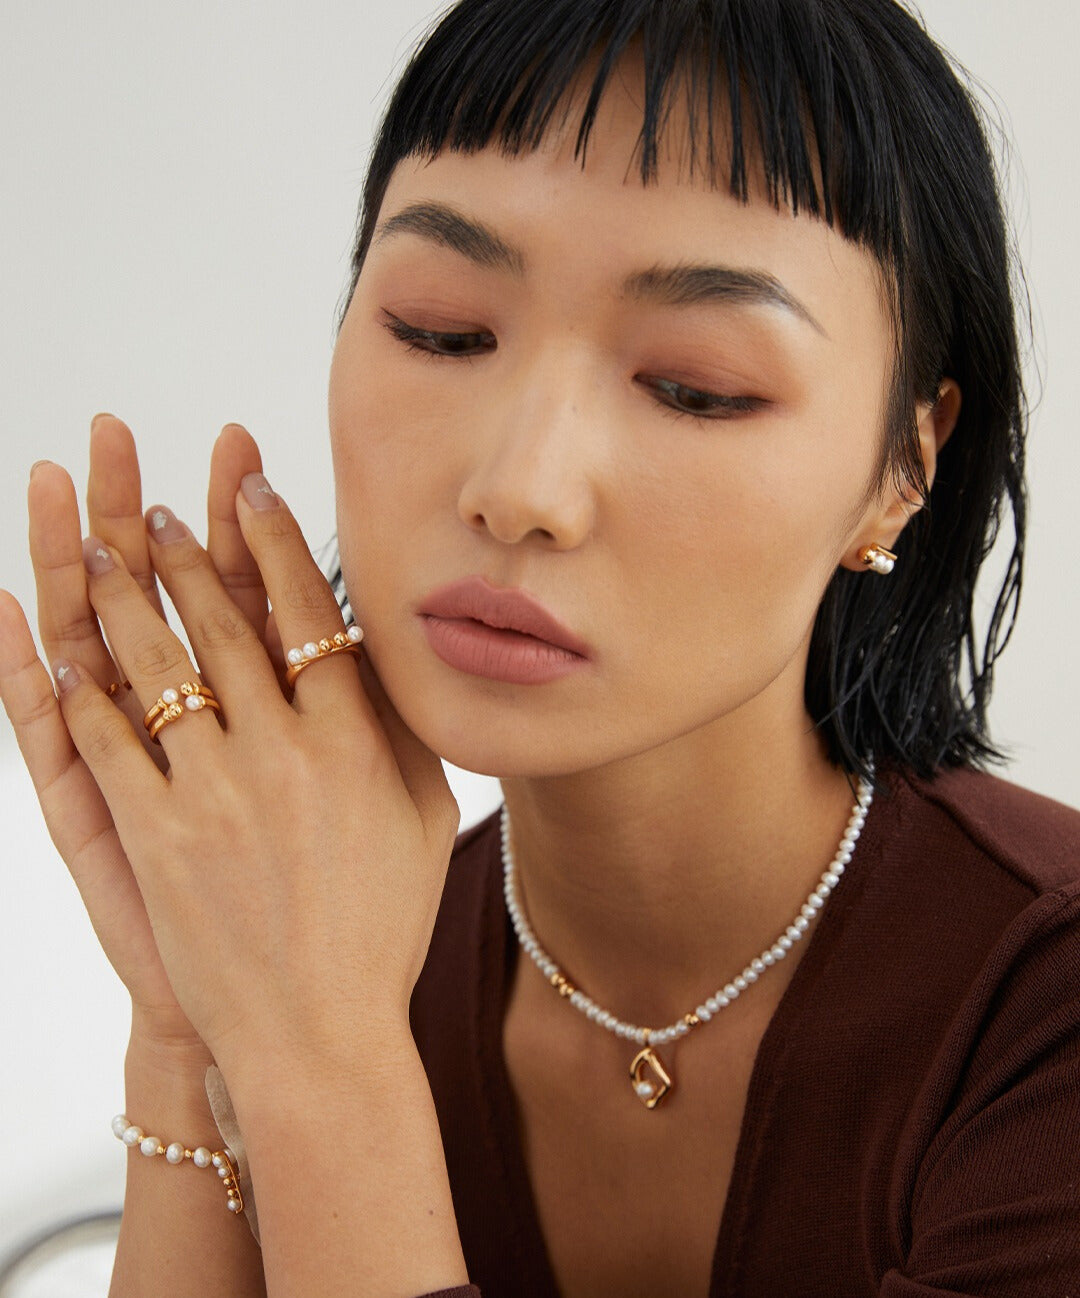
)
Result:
{"points": [[654, 880]]}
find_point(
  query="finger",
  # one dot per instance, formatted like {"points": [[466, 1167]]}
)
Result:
{"points": [[114, 501], [67, 621], [113, 755], [68, 624], [231, 656], [235, 455], [305, 608], [275, 649], [76, 814], [150, 655]]}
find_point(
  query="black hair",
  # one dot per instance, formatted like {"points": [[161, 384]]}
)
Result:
{"points": [[856, 92]]}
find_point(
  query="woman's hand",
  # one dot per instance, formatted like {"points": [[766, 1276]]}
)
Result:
{"points": [[292, 863], [77, 815]]}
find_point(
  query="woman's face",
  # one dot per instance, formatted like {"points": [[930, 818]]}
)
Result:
{"points": [[539, 383]]}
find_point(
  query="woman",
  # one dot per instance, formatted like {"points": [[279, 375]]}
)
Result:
{"points": [[673, 408]]}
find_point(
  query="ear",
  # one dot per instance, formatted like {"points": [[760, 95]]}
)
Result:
{"points": [[888, 514]]}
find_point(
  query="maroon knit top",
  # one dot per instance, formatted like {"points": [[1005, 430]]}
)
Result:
{"points": [[912, 1126]]}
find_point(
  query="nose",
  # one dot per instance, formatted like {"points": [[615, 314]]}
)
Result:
{"points": [[536, 461]]}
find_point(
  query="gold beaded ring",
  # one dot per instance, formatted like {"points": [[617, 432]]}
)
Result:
{"points": [[347, 641], [192, 696]]}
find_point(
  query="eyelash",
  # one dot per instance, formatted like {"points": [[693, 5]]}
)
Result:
{"points": [[414, 340]]}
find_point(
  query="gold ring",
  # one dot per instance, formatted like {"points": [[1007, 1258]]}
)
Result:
{"points": [[113, 689], [347, 641], [192, 696]]}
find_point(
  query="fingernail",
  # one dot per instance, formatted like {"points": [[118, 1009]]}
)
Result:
{"points": [[164, 526], [37, 465], [257, 492], [102, 414], [96, 556], [67, 676]]}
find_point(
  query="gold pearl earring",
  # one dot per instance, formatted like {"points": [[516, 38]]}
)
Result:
{"points": [[878, 559]]}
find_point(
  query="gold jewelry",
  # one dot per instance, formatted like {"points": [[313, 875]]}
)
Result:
{"points": [[878, 559], [169, 707], [113, 689], [223, 1160], [650, 1090], [347, 641]]}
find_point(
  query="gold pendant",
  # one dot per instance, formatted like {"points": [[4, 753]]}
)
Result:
{"points": [[649, 1090]]}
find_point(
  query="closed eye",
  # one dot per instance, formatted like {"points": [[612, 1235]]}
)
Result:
{"points": [[676, 398], [438, 343]]}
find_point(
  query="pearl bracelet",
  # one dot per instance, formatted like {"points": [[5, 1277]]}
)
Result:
{"points": [[222, 1159]]}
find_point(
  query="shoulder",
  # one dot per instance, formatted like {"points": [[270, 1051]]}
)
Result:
{"points": [[1029, 837]]}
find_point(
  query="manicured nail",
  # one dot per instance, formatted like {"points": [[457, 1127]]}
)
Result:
{"points": [[257, 492], [102, 414], [96, 556], [37, 465], [67, 676], [164, 526]]}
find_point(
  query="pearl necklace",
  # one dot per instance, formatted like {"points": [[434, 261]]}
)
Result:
{"points": [[650, 1090]]}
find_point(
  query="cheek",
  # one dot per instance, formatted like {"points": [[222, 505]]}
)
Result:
{"points": [[729, 556]]}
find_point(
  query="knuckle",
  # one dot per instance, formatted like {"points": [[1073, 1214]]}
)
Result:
{"points": [[185, 559], [277, 525], [306, 592], [157, 657], [221, 628], [105, 739], [76, 629]]}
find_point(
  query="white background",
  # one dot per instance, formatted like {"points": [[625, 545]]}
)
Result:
{"points": [[178, 188]]}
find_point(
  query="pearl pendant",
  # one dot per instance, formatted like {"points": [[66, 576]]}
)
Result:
{"points": [[650, 1090]]}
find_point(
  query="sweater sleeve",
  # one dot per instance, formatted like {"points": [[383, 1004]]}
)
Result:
{"points": [[996, 1205]]}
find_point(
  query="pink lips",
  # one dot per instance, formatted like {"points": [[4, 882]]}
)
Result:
{"points": [[502, 634]]}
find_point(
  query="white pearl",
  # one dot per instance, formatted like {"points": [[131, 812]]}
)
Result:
{"points": [[201, 1157], [644, 1089], [779, 952], [822, 890], [296, 657], [132, 1136], [355, 634], [784, 943], [681, 1029], [794, 933], [170, 696], [731, 991], [234, 1205], [703, 1013], [311, 649], [149, 1146], [222, 1171], [750, 974], [757, 965], [175, 1152], [194, 702], [741, 983], [768, 959], [831, 878], [120, 1124], [801, 924], [722, 1001], [218, 1161]]}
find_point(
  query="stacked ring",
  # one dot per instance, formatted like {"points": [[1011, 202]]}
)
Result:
{"points": [[347, 641], [192, 696]]}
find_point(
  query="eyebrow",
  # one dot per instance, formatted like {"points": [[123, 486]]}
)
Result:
{"points": [[681, 285]]}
